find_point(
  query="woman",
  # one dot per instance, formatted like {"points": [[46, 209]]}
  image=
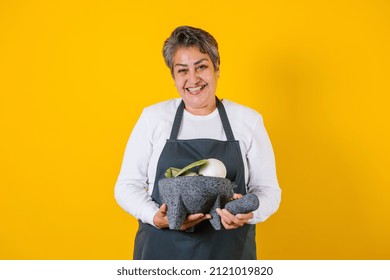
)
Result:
{"points": [[198, 125]]}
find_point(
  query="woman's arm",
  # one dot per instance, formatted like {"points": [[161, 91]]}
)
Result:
{"points": [[262, 173], [262, 180], [131, 189]]}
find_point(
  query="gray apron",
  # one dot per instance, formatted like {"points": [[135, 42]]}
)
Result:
{"points": [[204, 242]]}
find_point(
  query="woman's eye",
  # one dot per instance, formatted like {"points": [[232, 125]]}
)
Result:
{"points": [[201, 67], [182, 71]]}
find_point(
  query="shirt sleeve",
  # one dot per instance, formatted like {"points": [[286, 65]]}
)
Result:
{"points": [[131, 188], [262, 173]]}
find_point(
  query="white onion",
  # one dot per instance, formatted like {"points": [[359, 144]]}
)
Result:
{"points": [[213, 168]]}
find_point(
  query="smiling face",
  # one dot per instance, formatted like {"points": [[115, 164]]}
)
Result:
{"points": [[195, 79]]}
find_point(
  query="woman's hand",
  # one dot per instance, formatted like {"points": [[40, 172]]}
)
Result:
{"points": [[230, 221], [160, 219]]}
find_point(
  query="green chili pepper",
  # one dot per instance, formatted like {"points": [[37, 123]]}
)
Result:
{"points": [[190, 166], [175, 172]]}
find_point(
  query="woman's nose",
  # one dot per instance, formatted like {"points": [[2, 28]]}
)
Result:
{"points": [[193, 77]]}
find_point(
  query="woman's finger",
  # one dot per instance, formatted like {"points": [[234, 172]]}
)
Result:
{"points": [[230, 221], [236, 196], [191, 221], [194, 217]]}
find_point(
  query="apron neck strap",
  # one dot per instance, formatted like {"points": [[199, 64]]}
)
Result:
{"points": [[222, 113]]}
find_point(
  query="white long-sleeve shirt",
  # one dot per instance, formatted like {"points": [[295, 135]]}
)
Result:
{"points": [[135, 182]]}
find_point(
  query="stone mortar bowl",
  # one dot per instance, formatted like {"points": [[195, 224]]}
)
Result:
{"points": [[186, 195]]}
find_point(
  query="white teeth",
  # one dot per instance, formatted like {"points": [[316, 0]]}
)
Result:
{"points": [[194, 89]]}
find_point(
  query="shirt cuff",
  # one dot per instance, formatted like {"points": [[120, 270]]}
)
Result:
{"points": [[148, 215]]}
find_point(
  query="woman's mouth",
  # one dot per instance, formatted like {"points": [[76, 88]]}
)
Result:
{"points": [[195, 90]]}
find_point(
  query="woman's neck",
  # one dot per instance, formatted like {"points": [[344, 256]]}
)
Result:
{"points": [[203, 111]]}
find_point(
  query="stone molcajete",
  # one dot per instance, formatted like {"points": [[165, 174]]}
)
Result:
{"points": [[186, 195]]}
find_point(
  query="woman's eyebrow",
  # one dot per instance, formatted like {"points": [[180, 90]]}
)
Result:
{"points": [[200, 61], [196, 63], [180, 64]]}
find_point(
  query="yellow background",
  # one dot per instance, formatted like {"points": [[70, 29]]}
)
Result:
{"points": [[75, 75]]}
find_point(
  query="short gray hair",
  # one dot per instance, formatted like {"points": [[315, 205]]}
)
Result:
{"points": [[187, 36]]}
